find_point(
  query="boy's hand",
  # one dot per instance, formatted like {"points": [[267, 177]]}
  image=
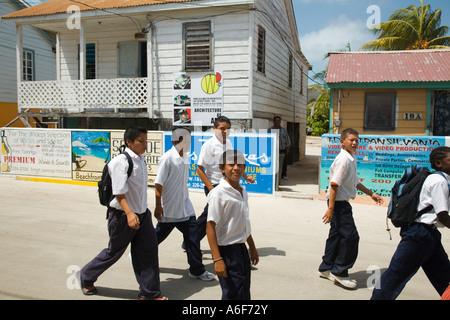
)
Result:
{"points": [[220, 268], [254, 256], [328, 215], [133, 220], [159, 213], [249, 179], [375, 197]]}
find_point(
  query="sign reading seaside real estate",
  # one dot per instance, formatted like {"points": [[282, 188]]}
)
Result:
{"points": [[381, 159]]}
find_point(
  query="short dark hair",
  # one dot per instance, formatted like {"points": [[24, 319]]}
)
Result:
{"points": [[438, 154], [221, 119], [231, 156], [132, 132], [347, 132], [276, 117]]}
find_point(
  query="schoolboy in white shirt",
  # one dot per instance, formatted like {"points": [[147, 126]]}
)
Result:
{"points": [[173, 206], [228, 229], [208, 163], [421, 244], [341, 249], [129, 221]]}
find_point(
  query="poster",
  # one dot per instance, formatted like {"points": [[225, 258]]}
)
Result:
{"points": [[259, 151], [197, 98], [381, 159], [90, 153], [36, 152]]}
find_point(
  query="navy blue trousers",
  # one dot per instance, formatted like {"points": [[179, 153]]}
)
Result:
{"points": [[144, 253], [420, 247], [341, 247], [189, 229], [237, 261], [201, 220]]}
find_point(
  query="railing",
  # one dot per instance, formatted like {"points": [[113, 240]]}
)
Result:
{"points": [[77, 95]]}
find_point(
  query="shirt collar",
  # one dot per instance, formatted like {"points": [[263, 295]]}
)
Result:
{"points": [[348, 155]]}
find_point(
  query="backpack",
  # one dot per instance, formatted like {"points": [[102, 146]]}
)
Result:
{"points": [[405, 196], [105, 193]]}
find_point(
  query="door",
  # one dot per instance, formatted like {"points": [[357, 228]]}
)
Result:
{"points": [[441, 123]]}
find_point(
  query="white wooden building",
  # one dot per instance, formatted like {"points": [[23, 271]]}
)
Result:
{"points": [[39, 62], [116, 61]]}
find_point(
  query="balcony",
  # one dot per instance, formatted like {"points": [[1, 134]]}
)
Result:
{"points": [[85, 96]]}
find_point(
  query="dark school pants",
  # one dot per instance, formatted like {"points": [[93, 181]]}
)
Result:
{"points": [[144, 253], [237, 261], [420, 246], [341, 247], [189, 229]]}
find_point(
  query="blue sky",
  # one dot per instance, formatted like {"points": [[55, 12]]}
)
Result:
{"points": [[328, 25]]}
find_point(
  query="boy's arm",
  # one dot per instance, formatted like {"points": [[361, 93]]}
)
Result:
{"points": [[331, 200], [219, 264], [375, 197], [159, 211], [201, 173], [444, 218], [254, 255], [132, 218]]}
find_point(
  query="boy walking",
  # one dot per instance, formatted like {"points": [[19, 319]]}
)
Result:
{"points": [[421, 241], [173, 207], [228, 228], [129, 221], [341, 249]]}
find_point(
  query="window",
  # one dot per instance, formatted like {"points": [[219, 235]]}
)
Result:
{"points": [[28, 65], [380, 111], [197, 46], [290, 71], [261, 61], [91, 67], [302, 77]]}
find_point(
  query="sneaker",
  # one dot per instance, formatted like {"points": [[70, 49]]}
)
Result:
{"points": [[326, 275], [285, 178], [345, 282], [205, 276]]}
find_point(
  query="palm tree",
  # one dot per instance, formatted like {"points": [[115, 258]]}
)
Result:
{"points": [[411, 29]]}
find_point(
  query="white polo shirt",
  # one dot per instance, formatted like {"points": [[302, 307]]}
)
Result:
{"points": [[343, 173], [210, 157], [173, 176], [229, 210], [435, 192], [135, 187]]}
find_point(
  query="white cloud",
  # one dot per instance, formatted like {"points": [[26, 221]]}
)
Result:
{"points": [[315, 45]]}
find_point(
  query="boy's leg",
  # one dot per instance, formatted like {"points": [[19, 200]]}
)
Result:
{"points": [[237, 285], [412, 251], [437, 267], [144, 255], [189, 229], [201, 220], [162, 230], [347, 249], [120, 236]]}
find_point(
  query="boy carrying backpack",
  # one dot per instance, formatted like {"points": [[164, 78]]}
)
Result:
{"points": [[421, 241]]}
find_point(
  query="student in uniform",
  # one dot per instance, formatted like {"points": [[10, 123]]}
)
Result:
{"points": [[208, 163], [173, 207], [228, 229], [341, 248], [129, 221], [421, 241]]}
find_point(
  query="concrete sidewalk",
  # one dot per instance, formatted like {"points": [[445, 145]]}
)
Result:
{"points": [[49, 231]]}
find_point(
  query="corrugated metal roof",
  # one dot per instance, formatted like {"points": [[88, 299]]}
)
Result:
{"points": [[389, 66], [60, 6]]}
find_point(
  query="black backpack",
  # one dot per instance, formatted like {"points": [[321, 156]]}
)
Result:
{"points": [[105, 193], [405, 196]]}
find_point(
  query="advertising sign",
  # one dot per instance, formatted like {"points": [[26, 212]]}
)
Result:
{"points": [[259, 151], [36, 152], [381, 159], [197, 98]]}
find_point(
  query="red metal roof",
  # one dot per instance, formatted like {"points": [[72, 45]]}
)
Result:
{"points": [[389, 66]]}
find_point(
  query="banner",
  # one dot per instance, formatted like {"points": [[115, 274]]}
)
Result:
{"points": [[381, 159], [36, 152], [197, 98], [259, 151]]}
